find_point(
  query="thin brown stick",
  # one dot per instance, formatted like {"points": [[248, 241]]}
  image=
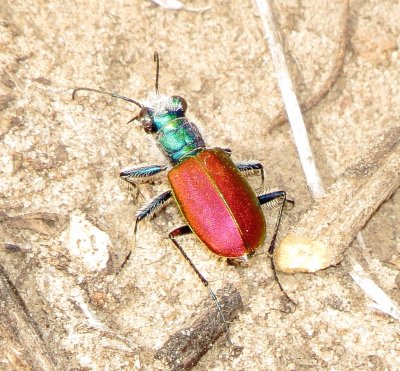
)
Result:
{"points": [[43, 223], [21, 345], [312, 101], [323, 234], [184, 348]]}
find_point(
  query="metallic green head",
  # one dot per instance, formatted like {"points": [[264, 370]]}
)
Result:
{"points": [[164, 117]]}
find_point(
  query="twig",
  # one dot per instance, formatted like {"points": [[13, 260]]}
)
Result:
{"points": [[382, 301], [43, 223], [184, 348], [297, 124], [177, 5], [299, 131], [320, 238], [312, 101], [21, 345]]}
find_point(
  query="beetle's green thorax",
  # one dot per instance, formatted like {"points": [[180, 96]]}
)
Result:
{"points": [[177, 137]]}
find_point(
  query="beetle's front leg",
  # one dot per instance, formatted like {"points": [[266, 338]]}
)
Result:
{"points": [[146, 173], [142, 173]]}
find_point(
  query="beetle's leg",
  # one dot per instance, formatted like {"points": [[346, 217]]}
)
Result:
{"points": [[143, 173], [146, 172], [250, 167], [272, 199], [156, 204], [228, 151], [186, 230], [147, 211]]}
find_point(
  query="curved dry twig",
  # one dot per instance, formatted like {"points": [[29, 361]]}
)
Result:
{"points": [[312, 101]]}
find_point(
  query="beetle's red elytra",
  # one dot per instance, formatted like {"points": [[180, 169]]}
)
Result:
{"points": [[218, 203]]}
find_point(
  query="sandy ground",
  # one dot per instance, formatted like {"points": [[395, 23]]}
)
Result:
{"points": [[61, 160]]}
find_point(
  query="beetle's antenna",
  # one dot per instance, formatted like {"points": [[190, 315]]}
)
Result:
{"points": [[114, 95], [157, 60]]}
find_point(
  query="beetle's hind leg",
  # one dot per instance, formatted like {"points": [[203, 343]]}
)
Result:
{"points": [[276, 198], [272, 199], [181, 231], [136, 175]]}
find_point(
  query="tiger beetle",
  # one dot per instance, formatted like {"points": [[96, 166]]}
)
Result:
{"points": [[217, 202]]}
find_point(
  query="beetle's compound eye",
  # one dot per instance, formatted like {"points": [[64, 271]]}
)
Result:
{"points": [[180, 101], [146, 119]]}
